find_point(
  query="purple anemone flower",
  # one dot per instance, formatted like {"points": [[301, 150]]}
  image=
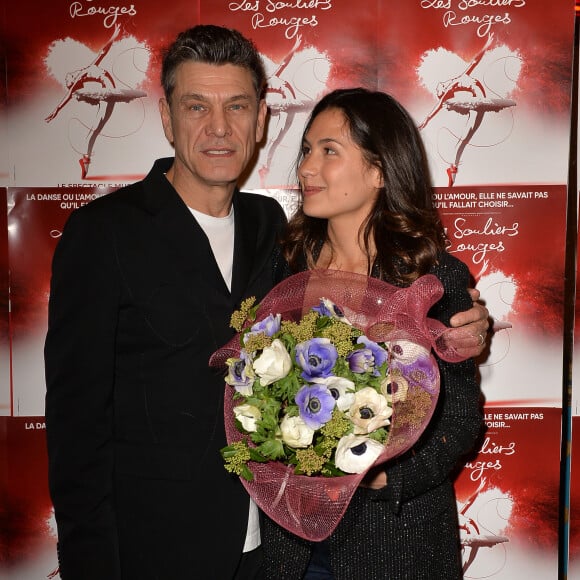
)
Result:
{"points": [[240, 374], [268, 326], [423, 371], [368, 359], [316, 404], [316, 357]]}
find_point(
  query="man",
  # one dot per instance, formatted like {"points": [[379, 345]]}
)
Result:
{"points": [[144, 281]]}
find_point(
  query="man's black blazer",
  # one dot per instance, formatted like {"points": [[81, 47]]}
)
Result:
{"points": [[134, 415]]}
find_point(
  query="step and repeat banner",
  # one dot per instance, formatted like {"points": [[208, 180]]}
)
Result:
{"points": [[572, 418], [489, 85]]}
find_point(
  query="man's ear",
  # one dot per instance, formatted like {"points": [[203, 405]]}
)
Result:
{"points": [[261, 121], [165, 113]]}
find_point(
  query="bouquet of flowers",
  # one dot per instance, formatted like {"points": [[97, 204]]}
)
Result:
{"points": [[330, 374]]}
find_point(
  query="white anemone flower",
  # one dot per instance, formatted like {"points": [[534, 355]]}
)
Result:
{"points": [[395, 386], [341, 389], [369, 412], [273, 364], [406, 351], [247, 415], [295, 432], [329, 308], [356, 453]]}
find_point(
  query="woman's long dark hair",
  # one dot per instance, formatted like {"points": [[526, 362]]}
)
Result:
{"points": [[403, 222]]}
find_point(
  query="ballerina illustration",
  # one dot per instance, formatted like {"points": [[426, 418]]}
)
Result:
{"points": [[471, 537], [465, 94], [286, 99], [96, 86]]}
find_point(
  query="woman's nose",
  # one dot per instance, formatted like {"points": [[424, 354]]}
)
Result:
{"points": [[307, 166]]}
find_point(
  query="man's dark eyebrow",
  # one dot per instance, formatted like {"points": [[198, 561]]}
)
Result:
{"points": [[200, 97], [193, 96]]}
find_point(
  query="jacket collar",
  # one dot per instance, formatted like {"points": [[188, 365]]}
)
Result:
{"points": [[177, 224]]}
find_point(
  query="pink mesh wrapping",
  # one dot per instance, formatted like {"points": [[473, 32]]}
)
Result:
{"points": [[311, 507]]}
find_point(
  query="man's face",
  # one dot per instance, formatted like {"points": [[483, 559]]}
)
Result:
{"points": [[214, 121]]}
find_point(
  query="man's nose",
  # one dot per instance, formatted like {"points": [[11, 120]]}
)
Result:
{"points": [[218, 124]]}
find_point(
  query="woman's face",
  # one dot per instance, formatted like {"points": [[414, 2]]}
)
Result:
{"points": [[337, 182]]}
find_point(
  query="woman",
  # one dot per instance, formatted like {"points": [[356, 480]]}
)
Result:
{"points": [[367, 208]]}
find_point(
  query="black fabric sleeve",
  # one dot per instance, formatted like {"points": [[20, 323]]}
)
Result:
{"points": [[458, 418]]}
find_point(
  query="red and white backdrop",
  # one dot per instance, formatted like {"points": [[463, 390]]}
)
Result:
{"points": [[489, 84], [573, 455]]}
